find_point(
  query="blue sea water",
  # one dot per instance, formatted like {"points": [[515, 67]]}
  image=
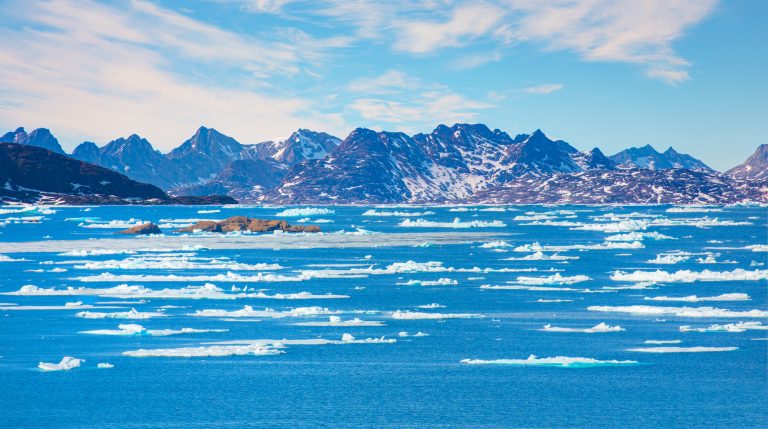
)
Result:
{"points": [[417, 382]]}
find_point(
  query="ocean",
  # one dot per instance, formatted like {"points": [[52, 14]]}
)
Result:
{"points": [[392, 317]]}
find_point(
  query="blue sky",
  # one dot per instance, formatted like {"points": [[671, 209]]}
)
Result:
{"points": [[605, 73]]}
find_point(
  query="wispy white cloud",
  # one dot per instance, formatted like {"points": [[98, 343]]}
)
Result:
{"points": [[465, 24], [92, 71], [543, 89], [626, 31], [389, 82]]}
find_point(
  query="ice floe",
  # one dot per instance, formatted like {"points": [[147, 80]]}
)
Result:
{"points": [[541, 256], [385, 213], [112, 224], [66, 363], [730, 327], [599, 328], [638, 236], [648, 310], [432, 305], [175, 263], [248, 311], [557, 361], [131, 314], [305, 211], [457, 223], [337, 321], [687, 276], [439, 282], [228, 277], [206, 291], [555, 279], [694, 298], [134, 329], [207, 351], [416, 315], [536, 247], [554, 300], [672, 349], [104, 365], [658, 342], [693, 209], [670, 258]]}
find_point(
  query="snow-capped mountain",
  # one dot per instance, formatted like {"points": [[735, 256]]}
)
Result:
{"points": [[649, 158], [300, 146], [755, 167], [205, 154], [40, 137], [462, 163], [136, 158], [449, 164]]}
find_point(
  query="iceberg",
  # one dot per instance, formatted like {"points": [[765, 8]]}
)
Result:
{"points": [[415, 315], [303, 212], [600, 327], [131, 314], [694, 298], [557, 361], [648, 310], [730, 327], [555, 279], [67, 363], [457, 223], [687, 276], [672, 349]]}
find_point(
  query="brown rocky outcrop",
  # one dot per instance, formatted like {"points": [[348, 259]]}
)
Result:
{"points": [[143, 229], [244, 223]]}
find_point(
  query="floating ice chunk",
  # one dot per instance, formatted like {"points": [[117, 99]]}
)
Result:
{"points": [[228, 277], [439, 282], [209, 211], [672, 349], [600, 327], [541, 256], [670, 258], [305, 211], [209, 351], [112, 224], [207, 291], [531, 288], [638, 236], [536, 247], [694, 298], [730, 327], [559, 361], [627, 225], [131, 314], [134, 329], [415, 315], [173, 262], [457, 223], [104, 365], [248, 311], [495, 245], [336, 321], [396, 213], [693, 209], [67, 363], [67, 306], [687, 276], [648, 310], [554, 300], [662, 341], [757, 247], [406, 334], [6, 258], [349, 339], [432, 305], [555, 279]]}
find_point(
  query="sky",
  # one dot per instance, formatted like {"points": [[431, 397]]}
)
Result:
{"points": [[597, 73]]}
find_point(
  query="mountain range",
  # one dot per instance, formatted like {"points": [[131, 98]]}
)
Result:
{"points": [[462, 163]]}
